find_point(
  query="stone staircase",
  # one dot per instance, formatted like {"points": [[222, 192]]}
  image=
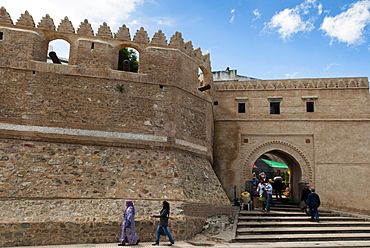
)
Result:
{"points": [[287, 223]]}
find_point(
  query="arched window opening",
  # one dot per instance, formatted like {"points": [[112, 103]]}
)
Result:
{"points": [[128, 59], [200, 77], [58, 52], [203, 85]]}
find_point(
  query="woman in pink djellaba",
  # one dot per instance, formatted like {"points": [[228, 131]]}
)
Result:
{"points": [[128, 234]]}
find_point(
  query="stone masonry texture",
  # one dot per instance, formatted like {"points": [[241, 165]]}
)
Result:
{"points": [[78, 140]]}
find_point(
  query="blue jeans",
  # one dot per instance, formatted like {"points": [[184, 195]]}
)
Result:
{"points": [[315, 213], [268, 202], [165, 229]]}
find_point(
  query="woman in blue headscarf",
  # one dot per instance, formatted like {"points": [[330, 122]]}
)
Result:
{"points": [[128, 234]]}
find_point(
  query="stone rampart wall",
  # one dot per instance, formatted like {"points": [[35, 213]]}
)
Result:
{"points": [[38, 169], [72, 102], [77, 140], [86, 225], [74, 189]]}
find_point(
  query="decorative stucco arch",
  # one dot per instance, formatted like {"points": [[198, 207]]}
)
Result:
{"points": [[301, 167]]}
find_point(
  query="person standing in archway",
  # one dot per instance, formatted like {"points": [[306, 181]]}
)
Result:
{"points": [[262, 175], [278, 186], [262, 193], [267, 187], [305, 192]]}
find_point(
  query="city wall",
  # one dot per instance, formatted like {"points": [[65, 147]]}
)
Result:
{"points": [[327, 148], [78, 140]]}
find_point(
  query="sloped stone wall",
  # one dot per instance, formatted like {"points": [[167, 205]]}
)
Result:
{"points": [[77, 140], [64, 189]]}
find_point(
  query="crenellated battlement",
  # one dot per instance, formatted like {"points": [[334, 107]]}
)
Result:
{"points": [[293, 84], [104, 31], [172, 62]]}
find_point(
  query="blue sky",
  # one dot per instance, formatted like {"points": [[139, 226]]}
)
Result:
{"points": [[265, 39]]}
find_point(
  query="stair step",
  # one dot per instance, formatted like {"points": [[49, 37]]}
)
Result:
{"points": [[302, 230], [273, 209], [300, 237], [281, 213], [288, 223], [287, 206], [298, 224], [296, 218]]}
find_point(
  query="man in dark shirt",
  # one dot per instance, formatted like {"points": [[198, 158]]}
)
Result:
{"points": [[313, 201], [305, 192]]}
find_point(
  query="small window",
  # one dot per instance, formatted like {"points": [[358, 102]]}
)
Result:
{"points": [[92, 46], [1, 35], [241, 107], [310, 107], [275, 108], [275, 104]]}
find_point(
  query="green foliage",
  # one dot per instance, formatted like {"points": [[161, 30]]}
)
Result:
{"points": [[119, 87], [130, 55]]}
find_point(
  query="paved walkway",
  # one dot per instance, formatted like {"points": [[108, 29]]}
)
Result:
{"points": [[221, 241], [207, 244]]}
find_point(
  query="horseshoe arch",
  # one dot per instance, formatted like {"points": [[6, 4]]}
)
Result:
{"points": [[299, 164]]}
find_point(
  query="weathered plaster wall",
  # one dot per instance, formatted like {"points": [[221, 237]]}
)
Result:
{"points": [[329, 146]]}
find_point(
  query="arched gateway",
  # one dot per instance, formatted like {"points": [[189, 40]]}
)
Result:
{"points": [[299, 165]]}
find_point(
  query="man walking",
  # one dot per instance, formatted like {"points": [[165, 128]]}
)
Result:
{"points": [[267, 187], [305, 192], [313, 201]]}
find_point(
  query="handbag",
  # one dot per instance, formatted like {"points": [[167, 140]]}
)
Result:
{"points": [[262, 199], [307, 210]]}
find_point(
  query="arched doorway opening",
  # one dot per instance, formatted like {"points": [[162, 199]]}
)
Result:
{"points": [[300, 170], [275, 164]]}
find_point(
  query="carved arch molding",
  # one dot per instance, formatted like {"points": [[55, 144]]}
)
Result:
{"points": [[281, 146]]}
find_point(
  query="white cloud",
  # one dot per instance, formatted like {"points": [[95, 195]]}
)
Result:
{"points": [[348, 26], [290, 21], [292, 75], [113, 12], [232, 16], [329, 66], [320, 9], [257, 14], [163, 22], [232, 19], [133, 23]]}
